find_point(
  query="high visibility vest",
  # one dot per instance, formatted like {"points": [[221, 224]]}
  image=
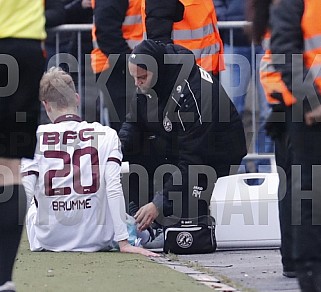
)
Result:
{"points": [[198, 32], [132, 32], [22, 19], [271, 79], [311, 29]]}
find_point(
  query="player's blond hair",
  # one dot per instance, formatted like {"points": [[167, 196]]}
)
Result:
{"points": [[58, 88]]}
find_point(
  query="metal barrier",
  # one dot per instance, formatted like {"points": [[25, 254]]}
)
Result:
{"points": [[230, 25], [79, 28]]}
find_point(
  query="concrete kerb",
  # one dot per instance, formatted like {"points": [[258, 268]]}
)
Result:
{"points": [[199, 273]]}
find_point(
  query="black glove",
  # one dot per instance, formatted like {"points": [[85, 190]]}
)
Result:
{"points": [[275, 125]]}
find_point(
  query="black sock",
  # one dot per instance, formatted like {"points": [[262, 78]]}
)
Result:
{"points": [[12, 213]]}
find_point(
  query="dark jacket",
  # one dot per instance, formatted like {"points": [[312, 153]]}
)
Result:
{"points": [[54, 13], [75, 13], [287, 40], [187, 119], [232, 10], [109, 17]]}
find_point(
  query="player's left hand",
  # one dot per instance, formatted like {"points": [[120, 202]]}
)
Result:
{"points": [[145, 216], [124, 246]]}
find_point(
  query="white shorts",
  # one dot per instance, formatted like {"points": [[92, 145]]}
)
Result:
{"points": [[30, 227], [35, 244]]}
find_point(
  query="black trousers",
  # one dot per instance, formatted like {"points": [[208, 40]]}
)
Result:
{"points": [[283, 157], [21, 68], [306, 186], [118, 88]]}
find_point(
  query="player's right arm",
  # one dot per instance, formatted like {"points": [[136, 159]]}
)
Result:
{"points": [[116, 200], [124, 246], [114, 190]]}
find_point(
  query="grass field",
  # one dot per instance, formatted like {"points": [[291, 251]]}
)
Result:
{"points": [[99, 272]]}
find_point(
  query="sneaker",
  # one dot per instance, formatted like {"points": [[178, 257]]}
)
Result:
{"points": [[289, 274], [157, 243], [8, 287], [289, 271]]}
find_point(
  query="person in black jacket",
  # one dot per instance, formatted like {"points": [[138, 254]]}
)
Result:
{"points": [[275, 128], [295, 41], [182, 128]]}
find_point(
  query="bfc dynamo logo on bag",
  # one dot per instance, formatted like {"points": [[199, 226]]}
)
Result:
{"points": [[184, 239]]}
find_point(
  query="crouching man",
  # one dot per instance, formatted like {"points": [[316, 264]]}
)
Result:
{"points": [[181, 123]]}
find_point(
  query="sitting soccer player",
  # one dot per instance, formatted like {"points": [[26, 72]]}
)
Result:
{"points": [[74, 178]]}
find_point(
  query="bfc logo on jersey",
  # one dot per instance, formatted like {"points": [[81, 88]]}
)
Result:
{"points": [[54, 138]]}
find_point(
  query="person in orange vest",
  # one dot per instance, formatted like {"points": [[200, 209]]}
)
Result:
{"points": [[191, 24], [278, 96], [296, 48], [22, 32], [117, 29]]}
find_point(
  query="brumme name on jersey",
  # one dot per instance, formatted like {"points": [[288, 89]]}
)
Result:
{"points": [[74, 180]]}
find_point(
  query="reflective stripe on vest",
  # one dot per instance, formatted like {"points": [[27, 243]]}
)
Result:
{"points": [[131, 43], [213, 49], [190, 34], [132, 19]]}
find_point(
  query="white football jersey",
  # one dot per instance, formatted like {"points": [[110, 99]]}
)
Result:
{"points": [[78, 194]]}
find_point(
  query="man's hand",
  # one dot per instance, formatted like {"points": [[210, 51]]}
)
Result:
{"points": [[145, 216], [124, 246], [313, 116]]}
